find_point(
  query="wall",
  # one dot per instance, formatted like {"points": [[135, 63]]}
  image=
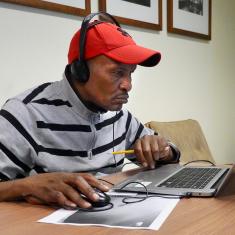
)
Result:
{"points": [[195, 78]]}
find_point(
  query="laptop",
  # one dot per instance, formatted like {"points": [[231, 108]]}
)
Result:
{"points": [[177, 180]]}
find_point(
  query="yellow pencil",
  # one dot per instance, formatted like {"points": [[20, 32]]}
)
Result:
{"points": [[124, 152]]}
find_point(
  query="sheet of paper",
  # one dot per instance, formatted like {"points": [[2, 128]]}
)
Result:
{"points": [[148, 214]]}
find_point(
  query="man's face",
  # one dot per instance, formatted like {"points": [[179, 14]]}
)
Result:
{"points": [[108, 84]]}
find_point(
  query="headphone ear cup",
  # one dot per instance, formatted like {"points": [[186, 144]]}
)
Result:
{"points": [[80, 71]]}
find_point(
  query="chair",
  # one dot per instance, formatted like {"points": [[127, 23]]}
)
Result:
{"points": [[187, 135]]}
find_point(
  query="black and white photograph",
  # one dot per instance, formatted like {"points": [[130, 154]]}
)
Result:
{"points": [[146, 3], [193, 6], [147, 214], [119, 215], [189, 17], [128, 12]]}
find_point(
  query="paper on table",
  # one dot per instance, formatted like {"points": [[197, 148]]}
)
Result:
{"points": [[148, 214]]}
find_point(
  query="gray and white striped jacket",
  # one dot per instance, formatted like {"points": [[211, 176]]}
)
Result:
{"points": [[48, 129]]}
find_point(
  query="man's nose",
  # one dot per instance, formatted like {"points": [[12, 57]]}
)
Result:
{"points": [[126, 84]]}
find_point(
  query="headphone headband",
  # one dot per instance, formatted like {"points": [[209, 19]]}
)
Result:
{"points": [[79, 69], [85, 28]]}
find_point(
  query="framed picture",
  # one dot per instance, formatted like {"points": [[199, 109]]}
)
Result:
{"points": [[189, 17], [139, 13], [74, 7]]}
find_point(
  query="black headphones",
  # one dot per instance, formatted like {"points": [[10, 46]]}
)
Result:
{"points": [[78, 68]]}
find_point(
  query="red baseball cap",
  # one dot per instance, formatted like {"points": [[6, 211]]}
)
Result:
{"points": [[110, 40]]}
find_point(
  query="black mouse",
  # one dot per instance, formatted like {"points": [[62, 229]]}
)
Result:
{"points": [[104, 199]]}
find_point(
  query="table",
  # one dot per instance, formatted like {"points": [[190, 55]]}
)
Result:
{"points": [[191, 216]]}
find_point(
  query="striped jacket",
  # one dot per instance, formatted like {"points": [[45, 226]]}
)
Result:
{"points": [[48, 129]]}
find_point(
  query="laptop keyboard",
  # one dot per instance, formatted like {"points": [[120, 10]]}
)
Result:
{"points": [[194, 178]]}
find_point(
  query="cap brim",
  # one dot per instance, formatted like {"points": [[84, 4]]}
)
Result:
{"points": [[134, 54]]}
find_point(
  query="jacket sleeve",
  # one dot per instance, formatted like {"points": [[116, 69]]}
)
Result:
{"points": [[17, 146]]}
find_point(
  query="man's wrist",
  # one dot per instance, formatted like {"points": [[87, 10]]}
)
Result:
{"points": [[173, 156], [175, 152], [11, 190]]}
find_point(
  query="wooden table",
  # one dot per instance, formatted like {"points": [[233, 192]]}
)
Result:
{"points": [[191, 216]]}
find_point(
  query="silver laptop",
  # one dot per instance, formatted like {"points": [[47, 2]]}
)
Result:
{"points": [[173, 179]]}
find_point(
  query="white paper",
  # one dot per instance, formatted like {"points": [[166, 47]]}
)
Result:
{"points": [[148, 214]]}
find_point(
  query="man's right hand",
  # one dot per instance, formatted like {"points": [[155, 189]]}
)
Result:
{"points": [[60, 189]]}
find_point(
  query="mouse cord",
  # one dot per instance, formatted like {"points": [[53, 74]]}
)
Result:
{"points": [[114, 156], [200, 160], [129, 199], [97, 209]]}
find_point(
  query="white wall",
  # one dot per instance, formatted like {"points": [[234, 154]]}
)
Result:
{"points": [[195, 78]]}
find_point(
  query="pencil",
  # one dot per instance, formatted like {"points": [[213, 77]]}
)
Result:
{"points": [[123, 152]]}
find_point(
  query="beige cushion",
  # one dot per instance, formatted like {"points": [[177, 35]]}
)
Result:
{"points": [[187, 135]]}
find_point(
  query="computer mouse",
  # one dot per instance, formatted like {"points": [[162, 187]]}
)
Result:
{"points": [[104, 199]]}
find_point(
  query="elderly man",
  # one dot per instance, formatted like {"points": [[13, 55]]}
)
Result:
{"points": [[56, 137]]}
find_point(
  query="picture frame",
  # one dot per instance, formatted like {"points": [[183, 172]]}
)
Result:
{"points": [[150, 17], [74, 7], [189, 17]]}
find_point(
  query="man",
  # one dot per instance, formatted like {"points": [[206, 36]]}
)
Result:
{"points": [[52, 135]]}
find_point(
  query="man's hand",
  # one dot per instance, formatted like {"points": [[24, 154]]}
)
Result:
{"points": [[151, 148], [61, 189]]}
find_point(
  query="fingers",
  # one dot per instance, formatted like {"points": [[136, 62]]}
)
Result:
{"points": [[33, 200], [71, 197], [57, 198], [149, 149], [143, 152], [166, 152], [139, 153], [160, 148], [94, 182], [83, 184], [67, 190], [52, 197]]}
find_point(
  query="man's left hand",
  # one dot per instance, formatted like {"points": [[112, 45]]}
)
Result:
{"points": [[151, 148]]}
